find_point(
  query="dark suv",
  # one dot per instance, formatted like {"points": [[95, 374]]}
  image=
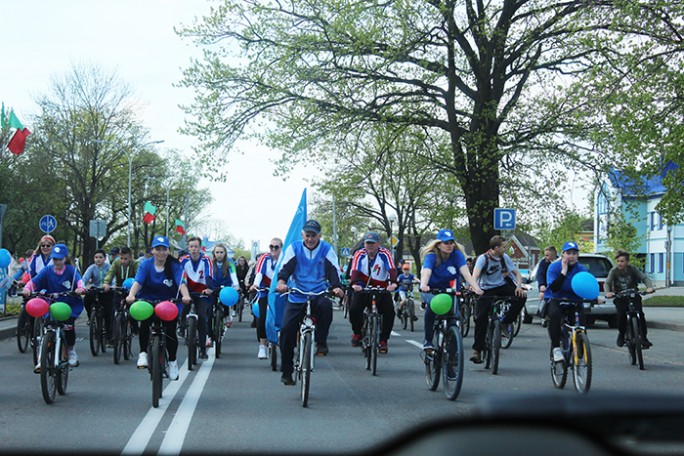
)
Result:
{"points": [[598, 265]]}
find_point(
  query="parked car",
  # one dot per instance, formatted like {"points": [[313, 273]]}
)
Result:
{"points": [[598, 265]]}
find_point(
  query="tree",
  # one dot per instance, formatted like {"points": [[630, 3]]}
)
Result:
{"points": [[482, 80]]}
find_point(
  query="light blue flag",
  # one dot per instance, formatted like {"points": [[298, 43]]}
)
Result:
{"points": [[276, 304]]}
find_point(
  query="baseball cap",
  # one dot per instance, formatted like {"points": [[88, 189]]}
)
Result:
{"points": [[570, 245], [114, 251], [59, 252], [312, 226], [445, 235], [160, 240], [406, 267], [371, 237]]}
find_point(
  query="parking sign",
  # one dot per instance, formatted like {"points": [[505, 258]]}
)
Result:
{"points": [[504, 219]]}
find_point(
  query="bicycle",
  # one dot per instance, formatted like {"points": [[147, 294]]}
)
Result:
{"points": [[467, 304], [192, 331], [218, 328], [24, 332], [98, 329], [445, 360], [122, 332], [493, 337], [371, 328], [634, 329], [576, 351], [304, 350], [407, 316]]}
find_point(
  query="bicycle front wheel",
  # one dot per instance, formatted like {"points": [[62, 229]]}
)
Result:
{"points": [[62, 375], [307, 347], [156, 371], [191, 341], [507, 334], [116, 333], [23, 330], [374, 341], [496, 344], [452, 363], [582, 367], [433, 361], [36, 338], [102, 342], [411, 308], [465, 318], [48, 383], [218, 330], [518, 324], [559, 372], [94, 333], [636, 338]]}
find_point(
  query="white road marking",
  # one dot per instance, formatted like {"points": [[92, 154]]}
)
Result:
{"points": [[415, 344]]}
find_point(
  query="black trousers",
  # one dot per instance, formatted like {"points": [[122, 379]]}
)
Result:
{"points": [[385, 308], [483, 307]]}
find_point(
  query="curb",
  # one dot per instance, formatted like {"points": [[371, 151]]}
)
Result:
{"points": [[665, 325], [9, 331]]}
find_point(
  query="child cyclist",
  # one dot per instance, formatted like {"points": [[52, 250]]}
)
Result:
{"points": [[59, 277], [405, 282]]}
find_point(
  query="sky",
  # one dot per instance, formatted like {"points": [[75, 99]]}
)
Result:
{"points": [[44, 39]]}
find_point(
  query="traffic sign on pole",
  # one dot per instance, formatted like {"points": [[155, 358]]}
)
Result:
{"points": [[504, 219], [47, 224], [345, 252], [394, 241]]}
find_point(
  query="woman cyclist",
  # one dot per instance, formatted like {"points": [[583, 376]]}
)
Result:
{"points": [[58, 277], [224, 275], [159, 278], [443, 262], [264, 275], [41, 256]]}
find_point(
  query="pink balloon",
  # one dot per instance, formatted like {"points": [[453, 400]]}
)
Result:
{"points": [[26, 278], [37, 307], [166, 310]]}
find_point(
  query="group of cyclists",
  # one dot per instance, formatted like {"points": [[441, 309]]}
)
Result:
{"points": [[311, 265]]}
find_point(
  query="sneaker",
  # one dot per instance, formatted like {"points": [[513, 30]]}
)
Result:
{"points": [[73, 358], [233, 314], [415, 318], [400, 314], [383, 347], [427, 346], [322, 349], [545, 322], [262, 352], [287, 379], [476, 357], [209, 343], [356, 340], [173, 370], [646, 344], [37, 368], [557, 355], [253, 324], [620, 339], [203, 355], [142, 360]]}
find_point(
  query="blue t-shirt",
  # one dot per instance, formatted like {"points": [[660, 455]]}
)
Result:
{"points": [[47, 279], [405, 282], [155, 285], [446, 271], [566, 291]]}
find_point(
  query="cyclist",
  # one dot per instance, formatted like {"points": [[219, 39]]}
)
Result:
{"points": [[623, 277], [405, 283], [559, 280], [224, 276], [199, 272], [265, 269], [492, 271], [444, 262], [550, 255], [95, 275], [157, 278], [59, 277], [373, 266], [311, 264], [121, 269], [41, 256]]}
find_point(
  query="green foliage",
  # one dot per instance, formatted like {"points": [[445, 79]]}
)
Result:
{"points": [[623, 235], [567, 228]]}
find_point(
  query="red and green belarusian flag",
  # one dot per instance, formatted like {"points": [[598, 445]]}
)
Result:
{"points": [[17, 144], [180, 226], [150, 210]]}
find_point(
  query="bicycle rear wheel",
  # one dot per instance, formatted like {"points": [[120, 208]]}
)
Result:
{"points": [[411, 307], [433, 361], [94, 333], [582, 366], [496, 345], [507, 334], [36, 338], [241, 306], [23, 330], [191, 341], [62, 375], [559, 372], [518, 323], [48, 372], [465, 317], [126, 338], [452, 363], [156, 371], [307, 343]]}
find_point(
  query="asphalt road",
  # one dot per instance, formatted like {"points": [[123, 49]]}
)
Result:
{"points": [[237, 404]]}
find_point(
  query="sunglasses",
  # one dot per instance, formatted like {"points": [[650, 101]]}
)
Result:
{"points": [[46, 245], [274, 247]]}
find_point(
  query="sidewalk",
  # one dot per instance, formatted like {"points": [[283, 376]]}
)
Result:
{"points": [[671, 318]]}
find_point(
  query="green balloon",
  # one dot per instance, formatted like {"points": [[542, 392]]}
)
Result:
{"points": [[141, 310], [441, 303], [60, 311]]}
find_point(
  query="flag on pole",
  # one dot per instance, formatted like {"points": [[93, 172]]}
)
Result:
{"points": [[14, 122], [2, 116], [276, 304], [180, 226], [150, 210], [17, 144]]}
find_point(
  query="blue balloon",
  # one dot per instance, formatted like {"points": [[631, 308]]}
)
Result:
{"points": [[128, 283], [585, 285], [228, 296], [255, 309], [5, 258]]}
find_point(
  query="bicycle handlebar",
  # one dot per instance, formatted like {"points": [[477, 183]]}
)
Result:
{"points": [[368, 290], [307, 293], [629, 291]]}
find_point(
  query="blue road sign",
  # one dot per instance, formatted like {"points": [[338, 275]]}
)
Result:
{"points": [[345, 252], [504, 219], [47, 224]]}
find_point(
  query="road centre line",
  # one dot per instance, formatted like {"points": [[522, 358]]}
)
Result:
{"points": [[143, 433]]}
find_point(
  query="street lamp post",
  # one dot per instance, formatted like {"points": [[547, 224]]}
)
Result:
{"points": [[130, 179], [392, 218]]}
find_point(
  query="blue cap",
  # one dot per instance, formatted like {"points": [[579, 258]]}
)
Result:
{"points": [[160, 240], [59, 252], [312, 226], [570, 245], [371, 237], [445, 235]]}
